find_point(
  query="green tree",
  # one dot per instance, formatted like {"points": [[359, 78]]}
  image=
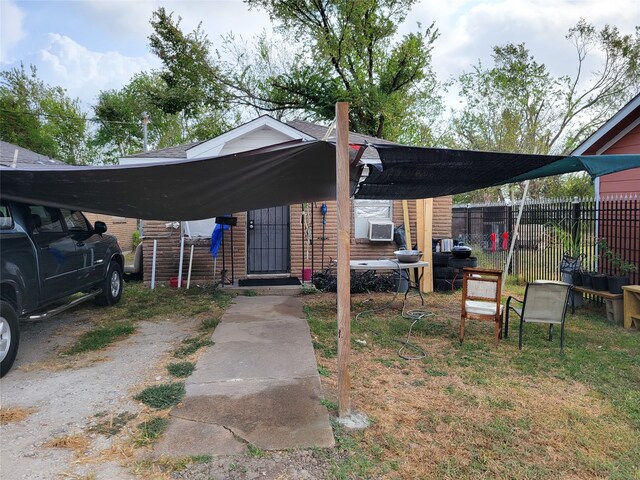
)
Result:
{"points": [[119, 116], [41, 118], [348, 51], [193, 86], [518, 106]]}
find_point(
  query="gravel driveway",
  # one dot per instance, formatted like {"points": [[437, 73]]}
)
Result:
{"points": [[65, 397]]}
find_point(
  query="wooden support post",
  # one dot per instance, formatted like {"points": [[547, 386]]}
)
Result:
{"points": [[407, 233], [426, 285], [343, 212], [424, 229]]}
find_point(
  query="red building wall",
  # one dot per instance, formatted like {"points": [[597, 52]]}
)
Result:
{"points": [[628, 181]]}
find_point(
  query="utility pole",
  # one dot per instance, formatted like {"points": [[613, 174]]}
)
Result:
{"points": [[145, 121]]}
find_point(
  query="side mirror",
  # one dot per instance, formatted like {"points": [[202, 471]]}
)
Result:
{"points": [[100, 227]]}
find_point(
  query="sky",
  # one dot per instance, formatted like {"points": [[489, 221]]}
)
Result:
{"points": [[87, 46]]}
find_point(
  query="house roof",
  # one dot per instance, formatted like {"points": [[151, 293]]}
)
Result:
{"points": [[308, 131], [319, 131], [179, 151], [26, 158], [615, 128]]}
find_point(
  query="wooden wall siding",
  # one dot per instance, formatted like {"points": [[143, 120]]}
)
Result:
{"points": [[626, 182], [120, 227], [168, 255], [360, 248], [168, 249]]}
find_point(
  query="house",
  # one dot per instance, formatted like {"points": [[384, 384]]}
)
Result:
{"points": [[119, 227], [619, 135], [284, 241]]}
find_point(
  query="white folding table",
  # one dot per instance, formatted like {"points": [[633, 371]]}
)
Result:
{"points": [[401, 267]]}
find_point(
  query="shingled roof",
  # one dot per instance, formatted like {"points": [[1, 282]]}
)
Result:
{"points": [[26, 158], [179, 151], [311, 129]]}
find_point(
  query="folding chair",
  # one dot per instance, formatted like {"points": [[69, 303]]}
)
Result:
{"points": [[481, 292], [544, 302]]}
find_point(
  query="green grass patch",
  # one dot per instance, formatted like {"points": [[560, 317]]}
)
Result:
{"points": [[329, 404], [323, 372], [208, 325], [141, 303], [100, 337], [249, 293], [111, 425], [181, 369], [255, 452], [150, 430], [191, 345], [162, 396]]}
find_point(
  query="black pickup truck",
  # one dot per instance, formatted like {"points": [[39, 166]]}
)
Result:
{"points": [[51, 259]]}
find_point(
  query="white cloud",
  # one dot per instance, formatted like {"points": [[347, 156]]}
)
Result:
{"points": [[469, 30], [11, 30], [84, 73], [218, 17]]}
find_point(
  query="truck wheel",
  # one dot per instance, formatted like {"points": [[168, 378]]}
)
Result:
{"points": [[9, 337], [112, 286]]}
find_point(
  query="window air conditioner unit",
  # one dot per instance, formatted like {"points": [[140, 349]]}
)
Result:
{"points": [[380, 230]]}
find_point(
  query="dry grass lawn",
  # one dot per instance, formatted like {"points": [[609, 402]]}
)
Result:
{"points": [[474, 412]]}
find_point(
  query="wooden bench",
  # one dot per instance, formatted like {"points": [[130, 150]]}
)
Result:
{"points": [[631, 306], [613, 303]]}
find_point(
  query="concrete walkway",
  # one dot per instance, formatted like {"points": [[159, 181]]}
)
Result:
{"points": [[257, 384]]}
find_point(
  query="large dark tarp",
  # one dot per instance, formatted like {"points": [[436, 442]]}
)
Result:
{"points": [[283, 174], [414, 172], [183, 190]]}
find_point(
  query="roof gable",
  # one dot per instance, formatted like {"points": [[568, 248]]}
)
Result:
{"points": [[214, 147], [613, 130]]}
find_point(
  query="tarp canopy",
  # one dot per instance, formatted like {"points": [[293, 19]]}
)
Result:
{"points": [[283, 174], [414, 172]]}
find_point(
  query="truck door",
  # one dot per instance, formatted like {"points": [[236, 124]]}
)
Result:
{"points": [[56, 252], [90, 250]]}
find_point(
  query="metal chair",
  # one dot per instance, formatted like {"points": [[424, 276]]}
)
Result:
{"points": [[544, 302], [481, 292]]}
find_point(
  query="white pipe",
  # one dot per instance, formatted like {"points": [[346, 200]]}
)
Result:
{"points": [[153, 265], [180, 262], [515, 233], [190, 263]]}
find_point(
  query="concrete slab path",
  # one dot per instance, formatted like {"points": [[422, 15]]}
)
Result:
{"points": [[257, 384]]}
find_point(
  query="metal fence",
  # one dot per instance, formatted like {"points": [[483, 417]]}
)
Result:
{"points": [[547, 230]]}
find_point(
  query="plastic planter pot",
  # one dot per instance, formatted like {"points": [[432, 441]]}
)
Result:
{"points": [[577, 278], [586, 279], [616, 283], [599, 282]]}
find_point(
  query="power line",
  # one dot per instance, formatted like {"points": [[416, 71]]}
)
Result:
{"points": [[69, 117]]}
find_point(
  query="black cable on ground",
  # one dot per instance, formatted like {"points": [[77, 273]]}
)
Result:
{"points": [[414, 315]]}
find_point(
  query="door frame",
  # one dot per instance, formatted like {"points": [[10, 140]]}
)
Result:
{"points": [[287, 236]]}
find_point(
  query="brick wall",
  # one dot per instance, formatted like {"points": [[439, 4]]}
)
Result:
{"points": [[168, 243], [120, 227]]}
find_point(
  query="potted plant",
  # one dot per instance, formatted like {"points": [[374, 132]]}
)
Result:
{"points": [[571, 265], [620, 266], [624, 269]]}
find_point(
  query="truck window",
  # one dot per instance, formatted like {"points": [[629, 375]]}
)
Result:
{"points": [[45, 219], [5, 216], [75, 220]]}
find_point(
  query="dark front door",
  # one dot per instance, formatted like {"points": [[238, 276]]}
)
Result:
{"points": [[268, 240]]}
